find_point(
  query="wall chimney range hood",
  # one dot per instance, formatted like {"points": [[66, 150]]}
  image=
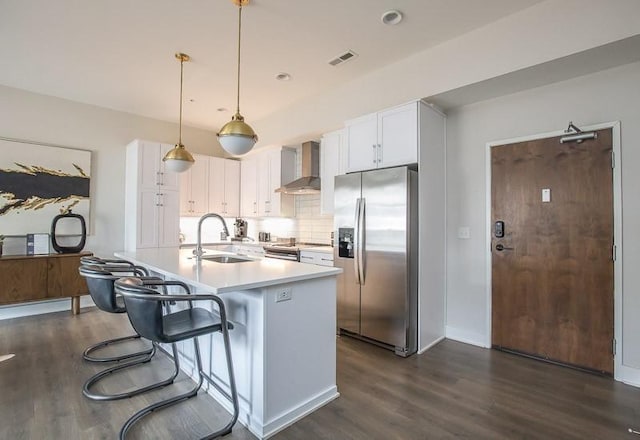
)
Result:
{"points": [[309, 183]]}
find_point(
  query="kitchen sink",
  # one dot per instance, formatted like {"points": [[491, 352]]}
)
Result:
{"points": [[224, 259]]}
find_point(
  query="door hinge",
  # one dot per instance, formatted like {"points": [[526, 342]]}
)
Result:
{"points": [[614, 252], [613, 159], [614, 346]]}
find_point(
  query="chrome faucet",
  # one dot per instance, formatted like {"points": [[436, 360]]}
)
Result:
{"points": [[198, 250]]}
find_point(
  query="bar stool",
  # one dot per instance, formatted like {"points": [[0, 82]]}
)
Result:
{"points": [[144, 308], [100, 281], [104, 298]]}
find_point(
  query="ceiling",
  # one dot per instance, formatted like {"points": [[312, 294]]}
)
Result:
{"points": [[119, 54]]}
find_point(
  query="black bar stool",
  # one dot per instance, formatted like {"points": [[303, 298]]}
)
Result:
{"points": [[103, 296], [144, 308], [100, 281]]}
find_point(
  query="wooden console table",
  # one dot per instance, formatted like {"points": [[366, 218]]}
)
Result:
{"points": [[25, 278]]}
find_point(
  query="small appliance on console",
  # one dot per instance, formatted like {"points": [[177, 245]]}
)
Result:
{"points": [[240, 229]]}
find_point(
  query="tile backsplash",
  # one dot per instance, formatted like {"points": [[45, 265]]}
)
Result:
{"points": [[308, 226]]}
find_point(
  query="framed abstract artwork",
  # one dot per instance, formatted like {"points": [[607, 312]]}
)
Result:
{"points": [[38, 182]]}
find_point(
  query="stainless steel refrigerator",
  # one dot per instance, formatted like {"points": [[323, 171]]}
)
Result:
{"points": [[376, 230]]}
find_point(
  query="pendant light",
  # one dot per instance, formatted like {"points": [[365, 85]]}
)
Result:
{"points": [[178, 159], [236, 136]]}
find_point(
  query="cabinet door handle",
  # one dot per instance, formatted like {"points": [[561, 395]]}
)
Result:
{"points": [[255, 207], [161, 178], [375, 153], [158, 178], [379, 153]]}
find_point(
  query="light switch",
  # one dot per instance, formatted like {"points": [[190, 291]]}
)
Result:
{"points": [[546, 195], [464, 232]]}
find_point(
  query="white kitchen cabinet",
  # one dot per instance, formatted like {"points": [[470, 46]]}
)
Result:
{"points": [[224, 186], [151, 198], [153, 173], [362, 143], [314, 257], [261, 175], [333, 161], [249, 187], [194, 188], [232, 188], [385, 139], [248, 249]]}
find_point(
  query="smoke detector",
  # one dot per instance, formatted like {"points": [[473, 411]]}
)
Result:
{"points": [[391, 17], [343, 58]]}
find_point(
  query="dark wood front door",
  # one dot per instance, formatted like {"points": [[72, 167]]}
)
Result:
{"points": [[552, 272]]}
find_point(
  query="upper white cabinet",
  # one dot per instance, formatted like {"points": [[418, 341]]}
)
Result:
{"points": [[333, 162], [151, 198], [224, 186], [384, 139], [212, 184], [194, 191], [261, 175], [249, 187], [153, 173]]}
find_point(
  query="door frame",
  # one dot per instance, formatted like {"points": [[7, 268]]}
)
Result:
{"points": [[617, 232]]}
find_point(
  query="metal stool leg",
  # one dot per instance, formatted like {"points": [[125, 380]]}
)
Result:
{"points": [[88, 357], [86, 389], [194, 391]]}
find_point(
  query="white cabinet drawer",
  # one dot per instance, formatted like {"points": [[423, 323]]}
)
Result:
{"points": [[319, 258]]}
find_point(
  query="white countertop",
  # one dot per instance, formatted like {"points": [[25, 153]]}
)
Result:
{"points": [[224, 277]]}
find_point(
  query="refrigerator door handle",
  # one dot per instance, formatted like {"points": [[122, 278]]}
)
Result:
{"points": [[360, 248], [356, 242]]}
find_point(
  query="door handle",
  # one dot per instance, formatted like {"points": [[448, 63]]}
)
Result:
{"points": [[356, 242], [375, 153], [500, 247], [360, 248]]}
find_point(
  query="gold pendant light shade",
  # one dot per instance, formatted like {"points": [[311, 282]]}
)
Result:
{"points": [[178, 159], [236, 136]]}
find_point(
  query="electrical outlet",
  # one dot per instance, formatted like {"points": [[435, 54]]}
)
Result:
{"points": [[283, 295]]}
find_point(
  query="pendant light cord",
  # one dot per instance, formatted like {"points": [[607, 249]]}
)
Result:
{"points": [[180, 125], [239, 33]]}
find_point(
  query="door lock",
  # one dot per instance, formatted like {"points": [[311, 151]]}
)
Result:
{"points": [[500, 247]]}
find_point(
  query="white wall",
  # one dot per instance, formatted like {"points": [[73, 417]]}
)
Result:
{"points": [[546, 31], [46, 119], [611, 95]]}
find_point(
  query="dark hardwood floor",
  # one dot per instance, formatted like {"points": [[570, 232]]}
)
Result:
{"points": [[454, 391]]}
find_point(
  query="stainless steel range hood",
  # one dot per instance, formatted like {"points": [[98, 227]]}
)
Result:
{"points": [[309, 183]]}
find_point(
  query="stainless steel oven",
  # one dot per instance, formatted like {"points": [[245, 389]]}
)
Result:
{"points": [[290, 253]]}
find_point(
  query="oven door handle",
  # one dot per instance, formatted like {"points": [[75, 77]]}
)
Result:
{"points": [[278, 256]]}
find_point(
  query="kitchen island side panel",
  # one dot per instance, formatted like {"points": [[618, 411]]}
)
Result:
{"points": [[300, 350]]}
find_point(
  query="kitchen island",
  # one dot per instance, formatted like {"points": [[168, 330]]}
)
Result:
{"points": [[284, 336]]}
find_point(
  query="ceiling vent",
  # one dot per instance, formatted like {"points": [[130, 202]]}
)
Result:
{"points": [[343, 58]]}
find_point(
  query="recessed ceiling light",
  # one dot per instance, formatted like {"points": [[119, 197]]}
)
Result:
{"points": [[222, 109], [391, 17], [283, 76]]}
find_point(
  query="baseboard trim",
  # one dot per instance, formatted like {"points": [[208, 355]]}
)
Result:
{"points": [[431, 344], [294, 414], [628, 375], [42, 307], [472, 338]]}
